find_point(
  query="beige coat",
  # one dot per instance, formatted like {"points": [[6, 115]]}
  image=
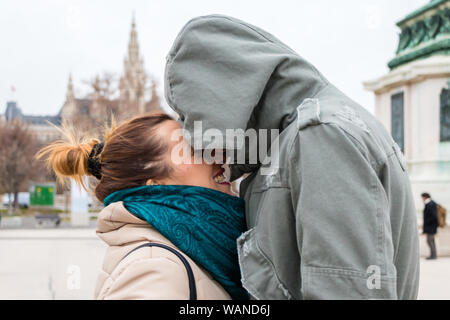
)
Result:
{"points": [[149, 272]]}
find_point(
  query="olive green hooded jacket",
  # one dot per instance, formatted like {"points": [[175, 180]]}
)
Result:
{"points": [[336, 220]]}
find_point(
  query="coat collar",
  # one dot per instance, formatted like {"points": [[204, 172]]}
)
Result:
{"points": [[116, 226]]}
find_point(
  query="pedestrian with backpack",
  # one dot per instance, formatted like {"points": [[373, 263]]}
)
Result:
{"points": [[430, 223]]}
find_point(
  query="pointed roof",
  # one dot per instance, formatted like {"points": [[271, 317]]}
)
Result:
{"points": [[70, 95], [133, 45]]}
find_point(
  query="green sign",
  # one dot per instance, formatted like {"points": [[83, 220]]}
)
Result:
{"points": [[42, 194]]}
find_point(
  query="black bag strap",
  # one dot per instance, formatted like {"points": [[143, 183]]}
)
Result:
{"points": [[190, 273]]}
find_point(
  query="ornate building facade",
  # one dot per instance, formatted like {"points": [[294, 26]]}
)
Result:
{"points": [[136, 91], [39, 125], [136, 94], [413, 99]]}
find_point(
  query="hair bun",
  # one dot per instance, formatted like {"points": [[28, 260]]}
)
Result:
{"points": [[94, 163], [68, 159]]}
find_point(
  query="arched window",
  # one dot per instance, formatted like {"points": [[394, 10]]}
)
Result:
{"points": [[445, 115], [397, 120]]}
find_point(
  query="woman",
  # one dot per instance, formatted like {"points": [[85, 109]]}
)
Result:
{"points": [[171, 228]]}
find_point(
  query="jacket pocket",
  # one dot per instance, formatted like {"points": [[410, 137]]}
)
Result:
{"points": [[258, 274], [328, 283]]}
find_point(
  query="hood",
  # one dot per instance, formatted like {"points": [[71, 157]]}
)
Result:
{"points": [[111, 221], [229, 74]]}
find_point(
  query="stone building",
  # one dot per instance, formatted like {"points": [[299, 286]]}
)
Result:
{"points": [[39, 125], [137, 93], [413, 99]]}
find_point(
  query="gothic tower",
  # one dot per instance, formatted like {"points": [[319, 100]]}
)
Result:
{"points": [[70, 107], [133, 81], [137, 93]]}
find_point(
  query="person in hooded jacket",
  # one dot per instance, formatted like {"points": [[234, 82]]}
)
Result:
{"points": [[336, 219]]}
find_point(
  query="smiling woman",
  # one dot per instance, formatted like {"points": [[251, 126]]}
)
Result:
{"points": [[154, 208], [135, 153], [190, 171]]}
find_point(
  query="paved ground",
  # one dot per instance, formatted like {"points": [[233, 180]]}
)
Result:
{"points": [[49, 263], [63, 264], [29, 222], [434, 279]]}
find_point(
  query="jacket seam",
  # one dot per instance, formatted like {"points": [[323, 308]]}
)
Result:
{"points": [[374, 162], [271, 266], [291, 143], [261, 190], [343, 272]]}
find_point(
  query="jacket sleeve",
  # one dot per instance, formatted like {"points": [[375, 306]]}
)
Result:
{"points": [[434, 212], [150, 279], [342, 218], [426, 215], [430, 216]]}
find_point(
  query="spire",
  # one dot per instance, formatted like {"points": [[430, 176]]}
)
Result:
{"points": [[70, 94], [97, 84], [69, 108], [133, 45], [133, 79]]}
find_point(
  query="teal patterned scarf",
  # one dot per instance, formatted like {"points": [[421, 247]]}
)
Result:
{"points": [[203, 223]]}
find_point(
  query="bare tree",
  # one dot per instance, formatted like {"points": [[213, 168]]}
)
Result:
{"points": [[105, 85], [102, 103], [17, 163], [105, 101]]}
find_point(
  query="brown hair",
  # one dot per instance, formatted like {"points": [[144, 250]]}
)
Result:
{"points": [[132, 154]]}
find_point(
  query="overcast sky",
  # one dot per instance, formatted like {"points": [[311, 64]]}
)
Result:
{"points": [[41, 42]]}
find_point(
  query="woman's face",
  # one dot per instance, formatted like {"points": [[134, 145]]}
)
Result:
{"points": [[205, 175]]}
